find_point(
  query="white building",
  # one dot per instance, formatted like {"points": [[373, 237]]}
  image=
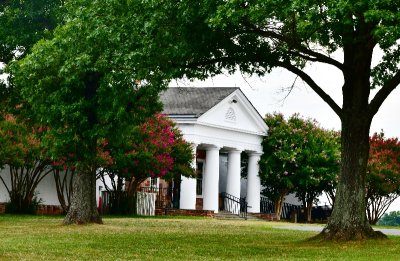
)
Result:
{"points": [[220, 123]]}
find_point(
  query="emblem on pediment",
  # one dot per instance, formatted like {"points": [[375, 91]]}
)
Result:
{"points": [[230, 115]]}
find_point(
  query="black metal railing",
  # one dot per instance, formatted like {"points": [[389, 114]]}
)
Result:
{"points": [[234, 205], [116, 202], [296, 213], [267, 206]]}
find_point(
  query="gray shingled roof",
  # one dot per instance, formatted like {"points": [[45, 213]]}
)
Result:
{"points": [[193, 101]]}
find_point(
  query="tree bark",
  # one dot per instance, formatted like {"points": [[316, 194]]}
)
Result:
{"points": [[348, 220], [83, 207], [278, 205], [308, 209], [64, 186]]}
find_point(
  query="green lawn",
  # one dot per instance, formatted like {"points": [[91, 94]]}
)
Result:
{"points": [[45, 238]]}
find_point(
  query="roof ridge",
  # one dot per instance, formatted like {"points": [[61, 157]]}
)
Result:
{"points": [[193, 100]]}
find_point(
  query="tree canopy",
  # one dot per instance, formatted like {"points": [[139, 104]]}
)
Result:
{"points": [[23, 23], [390, 219]]}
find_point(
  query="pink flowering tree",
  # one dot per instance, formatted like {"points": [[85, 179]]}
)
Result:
{"points": [[156, 149], [150, 153]]}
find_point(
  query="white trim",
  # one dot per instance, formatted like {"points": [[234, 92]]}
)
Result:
{"points": [[255, 116], [230, 128]]}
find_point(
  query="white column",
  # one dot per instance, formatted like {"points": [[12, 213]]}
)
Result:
{"points": [[233, 178], [253, 183], [188, 187], [211, 179]]}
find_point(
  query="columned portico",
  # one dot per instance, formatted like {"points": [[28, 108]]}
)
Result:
{"points": [[211, 179], [253, 183], [188, 186], [217, 119]]}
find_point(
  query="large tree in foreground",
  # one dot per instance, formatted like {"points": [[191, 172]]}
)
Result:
{"points": [[256, 36], [82, 84]]}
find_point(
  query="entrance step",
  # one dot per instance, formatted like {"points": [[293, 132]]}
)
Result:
{"points": [[224, 215], [253, 217]]}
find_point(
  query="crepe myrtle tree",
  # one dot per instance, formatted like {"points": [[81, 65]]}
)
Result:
{"points": [[276, 165], [383, 175], [83, 84], [299, 157], [156, 149], [63, 178], [22, 151], [318, 165], [201, 39], [63, 170]]}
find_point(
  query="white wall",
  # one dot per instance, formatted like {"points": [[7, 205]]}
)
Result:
{"points": [[46, 189], [3, 191]]}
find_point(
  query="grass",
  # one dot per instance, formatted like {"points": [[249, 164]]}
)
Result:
{"points": [[45, 238]]}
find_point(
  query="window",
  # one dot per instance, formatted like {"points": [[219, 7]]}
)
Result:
{"points": [[154, 183], [199, 178]]}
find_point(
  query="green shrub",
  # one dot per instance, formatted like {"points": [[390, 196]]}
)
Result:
{"points": [[390, 219]]}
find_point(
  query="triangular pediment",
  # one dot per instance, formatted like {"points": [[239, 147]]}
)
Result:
{"points": [[235, 112]]}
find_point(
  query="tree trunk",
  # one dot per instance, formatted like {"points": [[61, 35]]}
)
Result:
{"points": [[64, 187], [83, 207], [278, 206], [308, 210], [348, 220], [176, 192]]}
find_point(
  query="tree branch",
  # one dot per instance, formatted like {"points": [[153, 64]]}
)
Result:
{"points": [[301, 51], [313, 85], [383, 93], [304, 76]]}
